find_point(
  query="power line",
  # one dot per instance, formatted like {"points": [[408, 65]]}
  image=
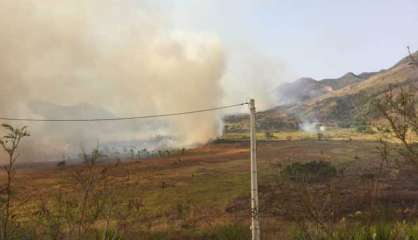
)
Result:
{"points": [[122, 118]]}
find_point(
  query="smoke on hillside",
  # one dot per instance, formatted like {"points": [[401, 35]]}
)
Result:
{"points": [[104, 58]]}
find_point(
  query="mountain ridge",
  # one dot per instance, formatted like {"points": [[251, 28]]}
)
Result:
{"points": [[340, 102]]}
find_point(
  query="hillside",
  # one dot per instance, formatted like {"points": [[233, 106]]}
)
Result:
{"points": [[300, 90], [346, 105], [338, 102], [307, 88]]}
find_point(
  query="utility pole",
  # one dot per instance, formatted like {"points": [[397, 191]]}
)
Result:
{"points": [[255, 225]]}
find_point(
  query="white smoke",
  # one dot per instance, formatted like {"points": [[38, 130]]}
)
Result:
{"points": [[312, 126], [104, 58], [256, 75]]}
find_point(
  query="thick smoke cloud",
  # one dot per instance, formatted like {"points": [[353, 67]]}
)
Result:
{"points": [[251, 74], [104, 58]]}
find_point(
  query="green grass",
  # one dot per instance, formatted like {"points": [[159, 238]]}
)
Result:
{"points": [[218, 232], [312, 171], [331, 133], [212, 191], [380, 231]]}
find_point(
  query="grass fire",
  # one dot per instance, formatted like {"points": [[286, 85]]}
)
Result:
{"points": [[158, 120]]}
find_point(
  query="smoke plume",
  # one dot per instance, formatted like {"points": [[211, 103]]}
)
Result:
{"points": [[104, 58], [255, 74]]}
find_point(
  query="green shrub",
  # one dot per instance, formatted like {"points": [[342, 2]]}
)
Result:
{"points": [[361, 125], [230, 232], [111, 235], [381, 231], [313, 171], [219, 232]]}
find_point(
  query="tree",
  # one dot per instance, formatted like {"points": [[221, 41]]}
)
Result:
{"points": [[268, 135], [399, 107], [87, 179], [10, 143]]}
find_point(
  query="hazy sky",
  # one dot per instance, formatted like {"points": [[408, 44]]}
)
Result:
{"points": [[311, 38]]}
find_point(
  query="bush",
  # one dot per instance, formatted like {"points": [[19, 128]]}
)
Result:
{"points": [[382, 231], [361, 125], [230, 232], [218, 232], [268, 135], [314, 171]]}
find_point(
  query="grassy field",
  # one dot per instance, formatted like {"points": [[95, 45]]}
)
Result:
{"points": [[204, 193], [330, 134]]}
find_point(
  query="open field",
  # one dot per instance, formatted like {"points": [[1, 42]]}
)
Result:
{"points": [[193, 195], [194, 120]]}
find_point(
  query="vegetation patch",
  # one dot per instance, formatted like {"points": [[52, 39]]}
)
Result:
{"points": [[313, 171], [218, 232], [381, 231]]}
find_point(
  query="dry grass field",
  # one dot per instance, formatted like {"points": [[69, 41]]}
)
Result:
{"points": [[204, 193]]}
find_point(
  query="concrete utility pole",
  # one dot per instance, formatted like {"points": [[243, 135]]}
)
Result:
{"points": [[255, 225]]}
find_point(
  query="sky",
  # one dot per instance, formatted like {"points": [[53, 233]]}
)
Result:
{"points": [[318, 39]]}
